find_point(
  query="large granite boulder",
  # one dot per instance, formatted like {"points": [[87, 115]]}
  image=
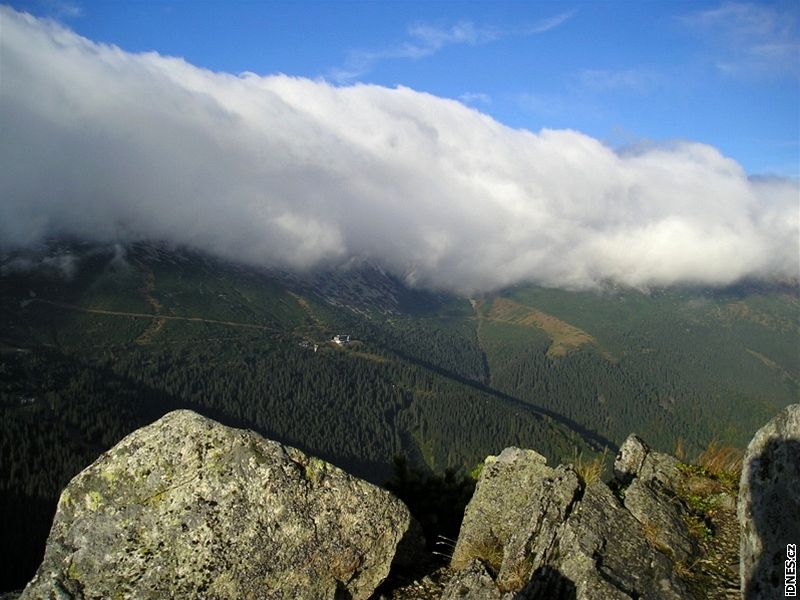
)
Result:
{"points": [[769, 505], [506, 486], [188, 508]]}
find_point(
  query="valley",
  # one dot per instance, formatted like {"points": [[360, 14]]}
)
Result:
{"points": [[135, 332]]}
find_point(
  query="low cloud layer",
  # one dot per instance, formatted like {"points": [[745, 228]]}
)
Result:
{"points": [[293, 173]]}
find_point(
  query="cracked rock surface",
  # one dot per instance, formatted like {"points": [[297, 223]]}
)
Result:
{"points": [[189, 508], [541, 532]]}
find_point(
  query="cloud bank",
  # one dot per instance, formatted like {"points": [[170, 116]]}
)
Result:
{"points": [[293, 173]]}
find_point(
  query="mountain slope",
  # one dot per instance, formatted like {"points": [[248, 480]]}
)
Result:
{"points": [[694, 363]]}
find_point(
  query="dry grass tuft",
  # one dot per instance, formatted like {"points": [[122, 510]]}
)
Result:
{"points": [[684, 570], [515, 578], [721, 460], [652, 533], [680, 450], [487, 549], [698, 528], [591, 470]]}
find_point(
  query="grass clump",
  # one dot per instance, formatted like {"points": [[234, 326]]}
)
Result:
{"points": [[721, 460], [720, 464], [515, 577], [652, 534], [590, 470], [488, 549], [680, 450]]}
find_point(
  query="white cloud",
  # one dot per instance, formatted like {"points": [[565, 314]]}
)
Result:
{"points": [[425, 40], [62, 265], [288, 172], [751, 39], [740, 19], [429, 39], [550, 22], [60, 9], [475, 98]]}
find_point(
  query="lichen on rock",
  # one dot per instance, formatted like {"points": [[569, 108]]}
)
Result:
{"points": [[541, 532], [188, 508]]}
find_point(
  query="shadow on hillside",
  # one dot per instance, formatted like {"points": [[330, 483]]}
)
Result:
{"points": [[774, 482], [595, 439]]}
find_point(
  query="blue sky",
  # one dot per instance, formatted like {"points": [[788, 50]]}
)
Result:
{"points": [[627, 73]]}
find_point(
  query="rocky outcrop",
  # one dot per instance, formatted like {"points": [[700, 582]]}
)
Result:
{"points": [[188, 508], [498, 527], [649, 482], [662, 517], [635, 460], [769, 505], [532, 531]]}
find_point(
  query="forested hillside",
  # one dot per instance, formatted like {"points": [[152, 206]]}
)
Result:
{"points": [[91, 354], [97, 341]]}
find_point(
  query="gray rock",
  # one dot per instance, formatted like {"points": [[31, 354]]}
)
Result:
{"points": [[769, 504], [529, 548], [662, 517], [473, 582], [498, 508], [545, 537], [635, 459], [604, 551], [630, 458], [514, 515], [188, 508]]}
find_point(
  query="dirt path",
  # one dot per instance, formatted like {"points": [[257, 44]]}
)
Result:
{"points": [[157, 324], [117, 313], [307, 308]]}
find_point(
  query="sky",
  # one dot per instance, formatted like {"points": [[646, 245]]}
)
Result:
{"points": [[725, 74], [463, 146]]}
